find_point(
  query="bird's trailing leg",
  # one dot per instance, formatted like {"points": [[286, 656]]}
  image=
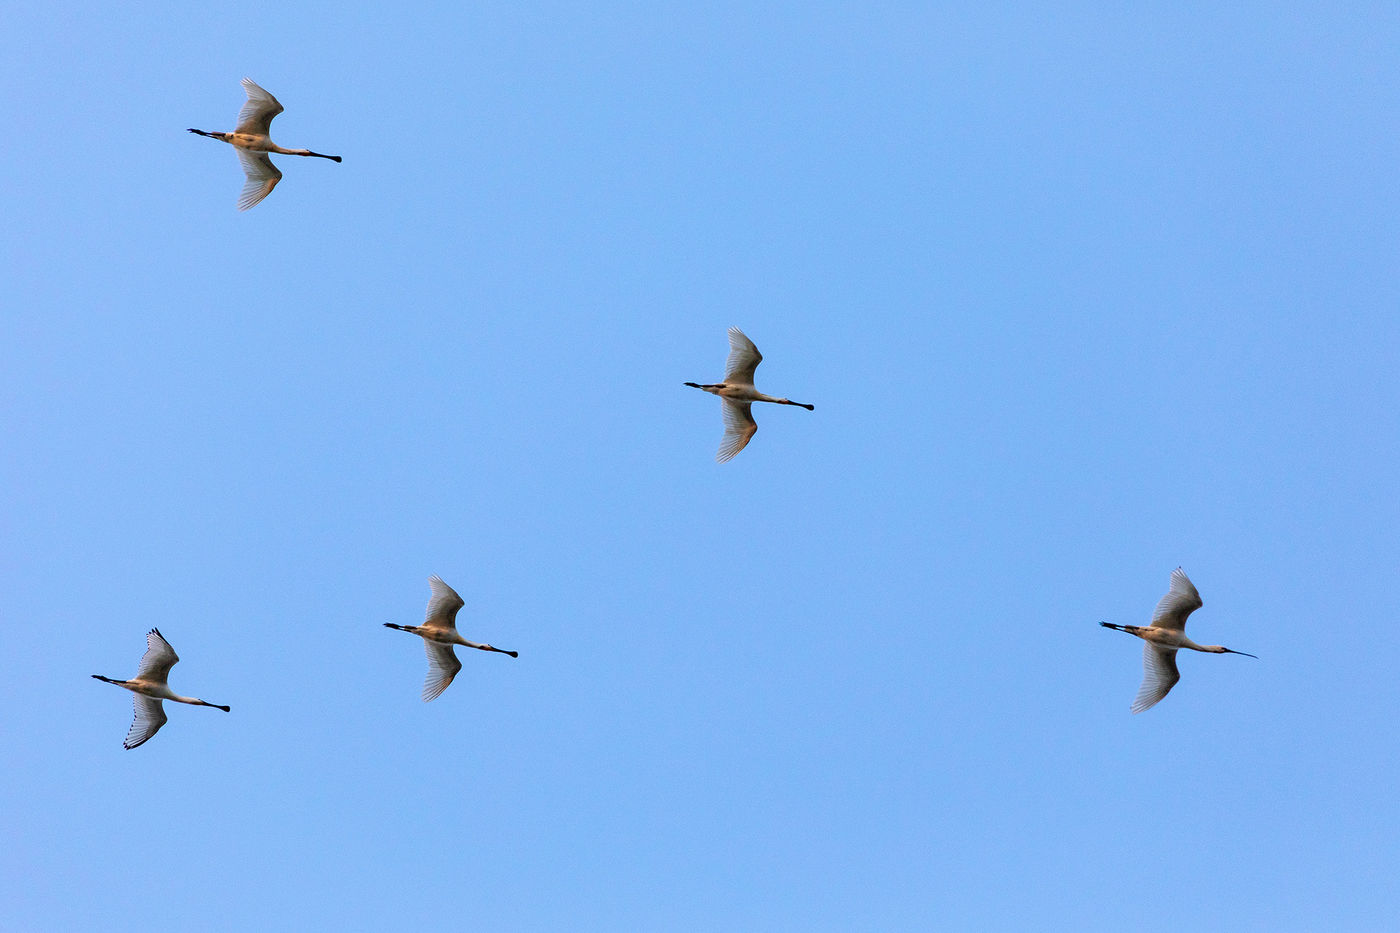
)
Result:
{"points": [[1130, 629], [108, 680]]}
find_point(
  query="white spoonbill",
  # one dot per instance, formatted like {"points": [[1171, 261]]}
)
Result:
{"points": [[1164, 636], [150, 688], [439, 634], [737, 395], [252, 144]]}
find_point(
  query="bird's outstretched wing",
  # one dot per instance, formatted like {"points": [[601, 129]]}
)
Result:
{"points": [[258, 110], [743, 359], [1159, 675], [739, 426], [158, 659], [443, 604], [263, 176], [1181, 600], [150, 716], [443, 665]]}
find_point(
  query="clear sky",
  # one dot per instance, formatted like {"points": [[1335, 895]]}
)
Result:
{"points": [[1080, 293]]}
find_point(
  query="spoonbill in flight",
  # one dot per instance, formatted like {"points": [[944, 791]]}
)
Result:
{"points": [[252, 144], [439, 634], [737, 395], [150, 688], [1164, 636]]}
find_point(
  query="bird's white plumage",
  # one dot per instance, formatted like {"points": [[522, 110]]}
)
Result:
{"points": [[443, 604], [158, 659], [1181, 600], [1164, 638], [263, 176], [443, 665], [151, 689], [258, 111], [739, 428], [439, 634], [743, 359], [1159, 675], [253, 144], [737, 392], [150, 716]]}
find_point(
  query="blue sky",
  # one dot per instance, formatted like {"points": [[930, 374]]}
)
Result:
{"points": [[1080, 295]]}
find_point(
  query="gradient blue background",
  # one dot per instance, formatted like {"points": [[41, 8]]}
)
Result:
{"points": [[1079, 294]]}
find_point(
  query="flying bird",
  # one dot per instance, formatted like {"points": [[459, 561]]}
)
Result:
{"points": [[439, 634], [737, 395], [1164, 636], [251, 142], [150, 688]]}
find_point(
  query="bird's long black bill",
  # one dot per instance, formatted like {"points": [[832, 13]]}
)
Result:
{"points": [[1245, 653]]}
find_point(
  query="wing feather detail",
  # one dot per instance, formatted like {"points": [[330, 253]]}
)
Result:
{"points": [[1181, 600], [443, 604], [1159, 675], [150, 716], [743, 359], [263, 176], [739, 428], [158, 659], [443, 665], [258, 110]]}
